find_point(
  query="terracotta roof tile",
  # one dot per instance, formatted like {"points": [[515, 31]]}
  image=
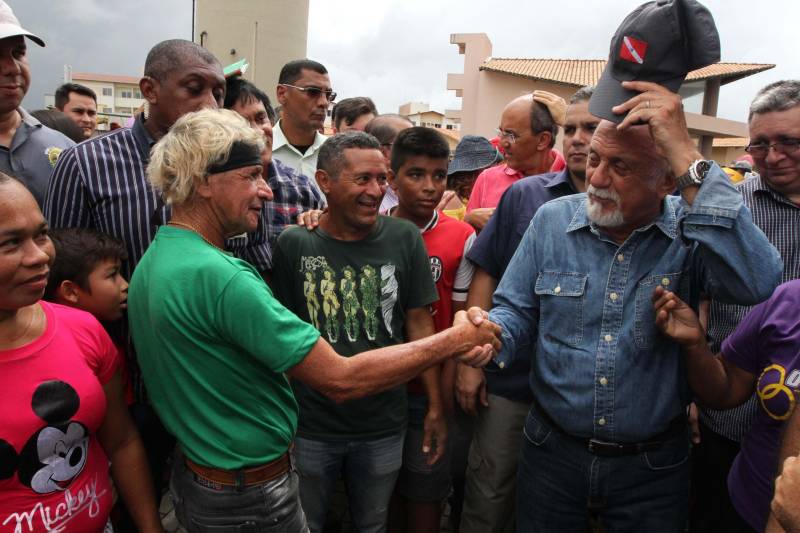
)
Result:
{"points": [[580, 72]]}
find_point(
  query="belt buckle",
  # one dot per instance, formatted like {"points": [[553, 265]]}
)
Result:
{"points": [[604, 449], [207, 483]]}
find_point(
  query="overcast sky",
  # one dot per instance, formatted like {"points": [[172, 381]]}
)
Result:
{"points": [[399, 51]]}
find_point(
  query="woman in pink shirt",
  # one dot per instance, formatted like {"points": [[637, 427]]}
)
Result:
{"points": [[63, 416]]}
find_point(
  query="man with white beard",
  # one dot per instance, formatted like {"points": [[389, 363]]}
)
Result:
{"points": [[607, 430]]}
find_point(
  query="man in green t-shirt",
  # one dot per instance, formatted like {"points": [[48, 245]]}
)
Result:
{"points": [[377, 269], [215, 347]]}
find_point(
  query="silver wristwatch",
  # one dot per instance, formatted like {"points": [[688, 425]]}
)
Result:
{"points": [[695, 175]]}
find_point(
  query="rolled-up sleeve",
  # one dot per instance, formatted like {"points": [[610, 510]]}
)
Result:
{"points": [[738, 262]]}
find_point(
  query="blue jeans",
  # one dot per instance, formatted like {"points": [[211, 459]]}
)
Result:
{"points": [[369, 469], [273, 507], [559, 482]]}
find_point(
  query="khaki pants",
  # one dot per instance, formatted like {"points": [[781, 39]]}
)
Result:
{"points": [[490, 489]]}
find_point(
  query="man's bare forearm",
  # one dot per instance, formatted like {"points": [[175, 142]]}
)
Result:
{"points": [[345, 378]]}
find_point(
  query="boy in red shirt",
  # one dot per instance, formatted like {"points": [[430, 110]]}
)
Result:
{"points": [[419, 177]]}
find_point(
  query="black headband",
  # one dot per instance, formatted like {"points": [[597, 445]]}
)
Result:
{"points": [[242, 155]]}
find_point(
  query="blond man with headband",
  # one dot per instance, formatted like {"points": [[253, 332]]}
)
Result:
{"points": [[214, 344]]}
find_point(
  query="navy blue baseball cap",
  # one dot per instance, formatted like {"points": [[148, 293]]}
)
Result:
{"points": [[660, 41]]}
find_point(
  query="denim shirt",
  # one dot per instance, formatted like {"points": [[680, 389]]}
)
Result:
{"points": [[600, 367], [493, 250]]}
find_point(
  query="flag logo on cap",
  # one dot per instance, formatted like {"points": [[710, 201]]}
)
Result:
{"points": [[632, 50]]}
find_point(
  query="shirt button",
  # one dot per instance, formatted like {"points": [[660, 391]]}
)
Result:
{"points": [[603, 381], [501, 364], [613, 296], [601, 422], [665, 281], [608, 338], [620, 258], [557, 290]]}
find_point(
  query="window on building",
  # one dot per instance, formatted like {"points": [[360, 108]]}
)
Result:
{"points": [[126, 93], [137, 94], [437, 125], [449, 126], [107, 91]]}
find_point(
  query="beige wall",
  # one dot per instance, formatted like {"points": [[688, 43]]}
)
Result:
{"points": [[725, 154], [267, 33], [476, 48], [496, 90]]}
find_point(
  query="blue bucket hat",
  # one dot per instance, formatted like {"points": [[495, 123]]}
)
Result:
{"points": [[473, 153]]}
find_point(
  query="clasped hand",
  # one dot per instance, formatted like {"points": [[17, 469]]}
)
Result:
{"points": [[484, 336]]}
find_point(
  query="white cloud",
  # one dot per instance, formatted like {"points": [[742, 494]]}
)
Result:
{"points": [[398, 51]]}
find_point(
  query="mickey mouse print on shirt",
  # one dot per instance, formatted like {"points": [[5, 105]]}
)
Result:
{"points": [[54, 455], [54, 474]]}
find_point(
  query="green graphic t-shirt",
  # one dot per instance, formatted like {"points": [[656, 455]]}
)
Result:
{"points": [[356, 293]]}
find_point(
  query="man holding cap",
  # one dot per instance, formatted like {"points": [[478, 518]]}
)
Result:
{"points": [[607, 429], [28, 150]]}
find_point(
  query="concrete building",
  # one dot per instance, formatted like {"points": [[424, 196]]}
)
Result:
{"points": [[726, 149], [421, 114], [266, 33], [488, 83], [118, 97]]}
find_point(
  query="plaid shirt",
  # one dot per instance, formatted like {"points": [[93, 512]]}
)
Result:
{"points": [[779, 219], [293, 194]]}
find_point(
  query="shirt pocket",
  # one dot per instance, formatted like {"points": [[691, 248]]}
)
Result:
{"points": [[561, 296], [645, 331]]}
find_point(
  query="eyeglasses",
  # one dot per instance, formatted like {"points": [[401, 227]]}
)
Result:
{"points": [[505, 134], [313, 92], [784, 146]]}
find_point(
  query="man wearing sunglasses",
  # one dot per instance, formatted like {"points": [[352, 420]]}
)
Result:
{"points": [[773, 197], [304, 93]]}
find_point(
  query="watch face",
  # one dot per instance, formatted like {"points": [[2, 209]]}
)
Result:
{"points": [[702, 168]]}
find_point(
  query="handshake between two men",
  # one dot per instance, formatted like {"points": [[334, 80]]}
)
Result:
{"points": [[473, 339]]}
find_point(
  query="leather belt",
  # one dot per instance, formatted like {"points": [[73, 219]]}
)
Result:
{"points": [[602, 448], [245, 477]]}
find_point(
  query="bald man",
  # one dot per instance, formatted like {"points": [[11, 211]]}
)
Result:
{"points": [[527, 134]]}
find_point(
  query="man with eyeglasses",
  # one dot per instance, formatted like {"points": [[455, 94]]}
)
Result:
{"points": [[304, 93], [500, 401], [528, 129], [773, 197]]}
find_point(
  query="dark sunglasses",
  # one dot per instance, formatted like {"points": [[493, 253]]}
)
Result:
{"points": [[313, 92]]}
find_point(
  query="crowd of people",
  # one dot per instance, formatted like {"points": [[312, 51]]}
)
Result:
{"points": [[598, 336]]}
